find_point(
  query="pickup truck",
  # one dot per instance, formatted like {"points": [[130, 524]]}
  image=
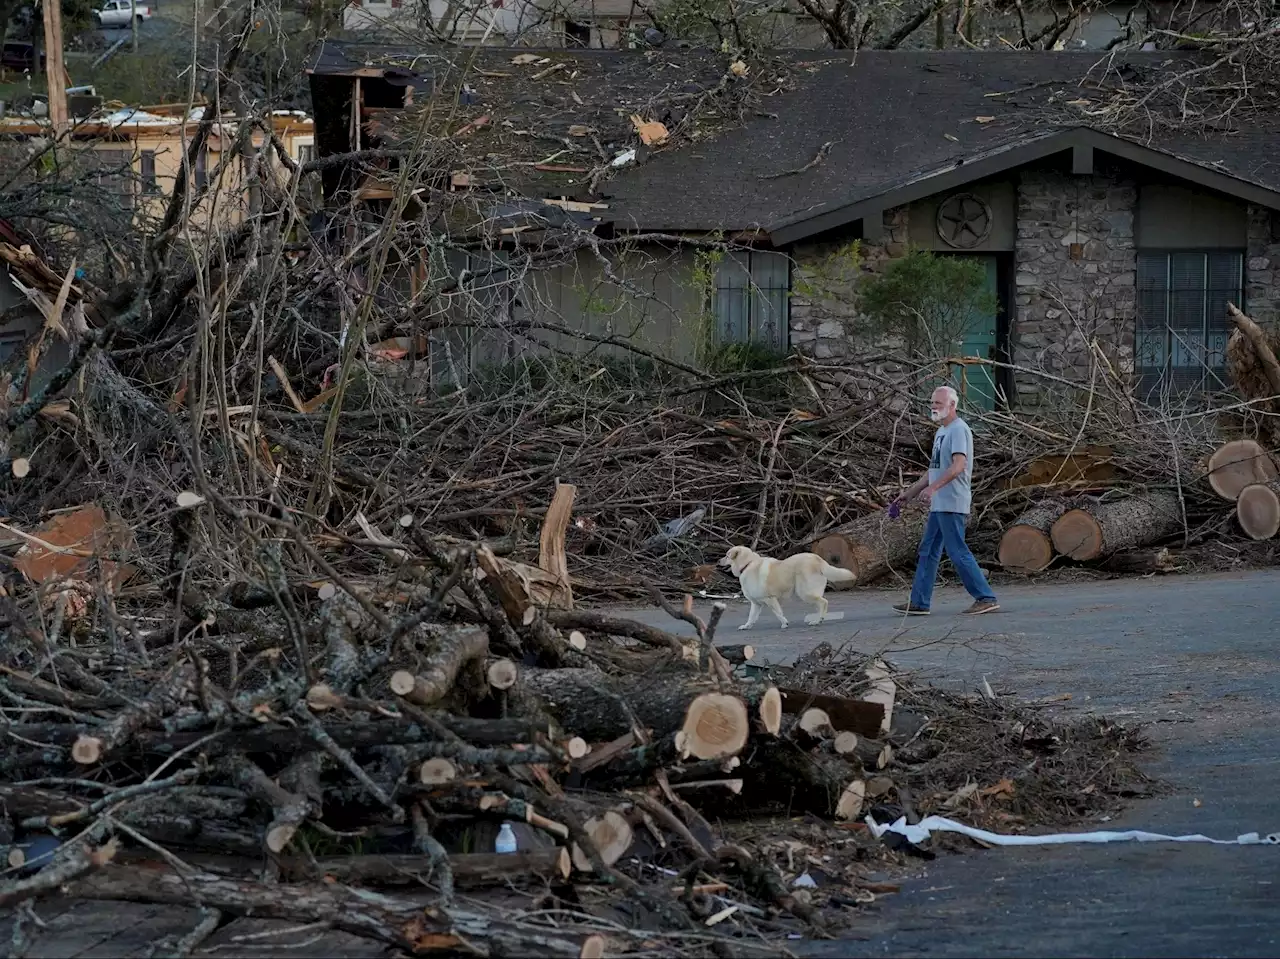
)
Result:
{"points": [[118, 13]]}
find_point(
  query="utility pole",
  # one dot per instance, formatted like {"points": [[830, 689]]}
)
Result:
{"points": [[133, 22], [54, 70]]}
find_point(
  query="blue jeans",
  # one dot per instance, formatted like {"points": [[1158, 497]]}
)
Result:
{"points": [[946, 530]]}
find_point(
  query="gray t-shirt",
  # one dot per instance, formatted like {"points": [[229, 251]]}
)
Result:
{"points": [[956, 496]]}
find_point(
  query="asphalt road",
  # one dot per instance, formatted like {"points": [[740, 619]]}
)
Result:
{"points": [[1196, 657]]}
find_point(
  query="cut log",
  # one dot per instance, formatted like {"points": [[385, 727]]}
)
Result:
{"points": [[290, 809], [737, 655], [715, 726], [611, 834], [780, 772], [845, 743], [1084, 466], [874, 545], [503, 674], [321, 698], [599, 707], [815, 723], [1258, 510], [598, 622], [435, 772], [272, 738], [770, 711], [576, 748], [551, 553], [854, 715], [1238, 464], [850, 805], [1103, 528], [1026, 546], [593, 947], [456, 649], [874, 755]]}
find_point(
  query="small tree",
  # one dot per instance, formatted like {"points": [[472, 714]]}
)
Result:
{"points": [[929, 301]]}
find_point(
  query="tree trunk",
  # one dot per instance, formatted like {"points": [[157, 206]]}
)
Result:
{"points": [[598, 707], [1238, 464], [1103, 528], [1258, 510], [1026, 546], [874, 545]]}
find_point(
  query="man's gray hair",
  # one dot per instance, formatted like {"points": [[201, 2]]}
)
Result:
{"points": [[949, 392]]}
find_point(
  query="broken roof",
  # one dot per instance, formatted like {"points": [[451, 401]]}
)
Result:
{"points": [[542, 122], [804, 140]]}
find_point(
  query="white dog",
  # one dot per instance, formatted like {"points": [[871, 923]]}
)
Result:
{"points": [[764, 581]]}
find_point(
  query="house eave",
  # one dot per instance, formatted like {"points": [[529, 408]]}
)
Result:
{"points": [[1083, 143]]}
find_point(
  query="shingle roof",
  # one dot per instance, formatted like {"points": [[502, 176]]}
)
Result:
{"points": [[568, 109], [892, 117], [741, 150]]}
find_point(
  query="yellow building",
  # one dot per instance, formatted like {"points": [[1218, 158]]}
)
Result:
{"points": [[141, 150]]}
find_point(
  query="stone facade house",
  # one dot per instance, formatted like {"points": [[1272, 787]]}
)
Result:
{"points": [[1099, 244]]}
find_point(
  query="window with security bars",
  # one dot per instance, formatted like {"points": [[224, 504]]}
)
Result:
{"points": [[113, 171], [1182, 325], [752, 298]]}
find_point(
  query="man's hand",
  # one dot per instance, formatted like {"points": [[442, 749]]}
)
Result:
{"points": [[926, 495]]}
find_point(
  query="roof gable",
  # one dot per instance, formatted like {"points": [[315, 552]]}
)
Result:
{"points": [[852, 135]]}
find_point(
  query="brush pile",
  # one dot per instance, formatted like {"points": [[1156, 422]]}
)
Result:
{"points": [[282, 758]]}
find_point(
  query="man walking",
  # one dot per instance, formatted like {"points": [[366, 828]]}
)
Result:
{"points": [[947, 489]]}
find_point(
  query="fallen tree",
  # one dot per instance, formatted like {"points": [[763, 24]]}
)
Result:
{"points": [[1099, 529], [1026, 545], [874, 545]]}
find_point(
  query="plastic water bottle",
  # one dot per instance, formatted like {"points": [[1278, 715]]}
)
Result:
{"points": [[506, 841]]}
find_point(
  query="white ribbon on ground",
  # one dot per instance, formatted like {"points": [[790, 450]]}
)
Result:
{"points": [[920, 831]]}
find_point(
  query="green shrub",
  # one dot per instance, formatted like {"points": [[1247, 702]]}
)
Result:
{"points": [[927, 300]]}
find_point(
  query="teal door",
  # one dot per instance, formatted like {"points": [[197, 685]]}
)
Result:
{"points": [[976, 382]]}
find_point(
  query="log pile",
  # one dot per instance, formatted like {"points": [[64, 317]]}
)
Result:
{"points": [[1128, 528], [410, 728]]}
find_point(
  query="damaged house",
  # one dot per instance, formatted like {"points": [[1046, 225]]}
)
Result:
{"points": [[1094, 241]]}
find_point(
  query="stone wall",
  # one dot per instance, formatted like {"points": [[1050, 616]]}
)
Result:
{"points": [[1262, 267], [1075, 280], [824, 313], [1075, 275]]}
